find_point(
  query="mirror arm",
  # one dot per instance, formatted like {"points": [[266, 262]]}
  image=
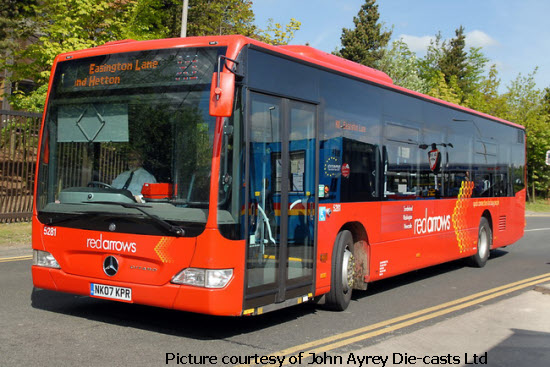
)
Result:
{"points": [[235, 62]]}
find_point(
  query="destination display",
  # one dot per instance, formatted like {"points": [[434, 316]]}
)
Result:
{"points": [[139, 69]]}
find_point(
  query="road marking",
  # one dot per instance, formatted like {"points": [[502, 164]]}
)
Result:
{"points": [[353, 336], [537, 229], [15, 258], [422, 318]]}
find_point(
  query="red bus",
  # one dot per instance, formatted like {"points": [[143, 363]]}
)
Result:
{"points": [[225, 176]]}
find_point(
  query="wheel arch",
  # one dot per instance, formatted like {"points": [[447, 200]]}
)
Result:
{"points": [[487, 214], [361, 253], [357, 230]]}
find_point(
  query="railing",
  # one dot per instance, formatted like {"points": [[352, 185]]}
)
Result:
{"points": [[18, 149]]}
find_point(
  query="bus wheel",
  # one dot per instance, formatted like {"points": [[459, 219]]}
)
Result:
{"points": [[343, 264], [484, 243]]}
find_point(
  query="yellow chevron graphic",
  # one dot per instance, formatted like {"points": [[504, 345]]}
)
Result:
{"points": [[161, 249], [463, 237]]}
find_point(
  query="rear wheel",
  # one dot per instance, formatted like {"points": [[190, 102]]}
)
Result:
{"points": [[484, 243], [343, 264]]}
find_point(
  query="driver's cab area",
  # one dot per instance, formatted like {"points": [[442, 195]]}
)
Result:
{"points": [[139, 157]]}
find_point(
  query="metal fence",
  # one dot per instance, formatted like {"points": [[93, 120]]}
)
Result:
{"points": [[18, 150]]}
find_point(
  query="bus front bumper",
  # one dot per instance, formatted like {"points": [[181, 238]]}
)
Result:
{"points": [[223, 302]]}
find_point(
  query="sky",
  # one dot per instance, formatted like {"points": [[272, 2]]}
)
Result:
{"points": [[513, 34]]}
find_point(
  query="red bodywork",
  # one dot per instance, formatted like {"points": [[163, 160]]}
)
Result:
{"points": [[392, 246]]}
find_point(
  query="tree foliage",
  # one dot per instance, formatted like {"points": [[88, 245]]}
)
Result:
{"points": [[453, 61], [14, 24], [447, 91], [487, 98], [214, 17], [365, 44], [36, 31], [546, 101], [278, 34], [67, 25], [16, 27], [429, 65], [60, 26], [154, 19], [526, 106], [463, 71], [402, 65]]}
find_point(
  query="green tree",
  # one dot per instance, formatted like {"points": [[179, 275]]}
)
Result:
{"points": [[475, 71], [526, 107], [365, 44], [454, 60], [446, 91], [546, 101], [62, 26], [486, 98], [153, 19], [463, 72], [402, 65], [428, 67], [14, 24], [215, 17], [16, 27], [438, 85], [278, 34], [67, 25]]}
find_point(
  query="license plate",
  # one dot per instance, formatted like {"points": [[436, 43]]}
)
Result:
{"points": [[111, 292]]}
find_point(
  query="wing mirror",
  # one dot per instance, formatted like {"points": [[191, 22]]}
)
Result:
{"points": [[222, 90]]}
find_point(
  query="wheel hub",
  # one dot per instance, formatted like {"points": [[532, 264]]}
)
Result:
{"points": [[482, 243], [348, 264]]}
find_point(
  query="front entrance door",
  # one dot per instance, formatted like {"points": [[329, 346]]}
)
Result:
{"points": [[281, 204]]}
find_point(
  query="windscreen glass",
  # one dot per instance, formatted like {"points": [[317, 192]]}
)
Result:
{"points": [[129, 130]]}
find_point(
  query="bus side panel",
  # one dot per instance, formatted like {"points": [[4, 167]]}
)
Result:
{"points": [[420, 233], [331, 218], [509, 226], [409, 235]]}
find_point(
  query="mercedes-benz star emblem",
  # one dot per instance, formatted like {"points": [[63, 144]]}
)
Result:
{"points": [[110, 265]]}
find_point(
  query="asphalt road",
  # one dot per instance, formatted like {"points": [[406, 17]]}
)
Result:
{"points": [[44, 328]]}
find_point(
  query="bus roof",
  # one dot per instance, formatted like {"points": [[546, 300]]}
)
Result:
{"points": [[310, 55]]}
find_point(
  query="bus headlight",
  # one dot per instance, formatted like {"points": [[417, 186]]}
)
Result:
{"points": [[43, 258], [208, 278], [218, 278]]}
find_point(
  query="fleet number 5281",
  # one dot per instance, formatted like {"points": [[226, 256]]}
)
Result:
{"points": [[50, 231]]}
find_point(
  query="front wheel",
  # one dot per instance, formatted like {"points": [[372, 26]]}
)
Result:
{"points": [[343, 264], [484, 243]]}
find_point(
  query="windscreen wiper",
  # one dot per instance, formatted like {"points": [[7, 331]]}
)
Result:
{"points": [[51, 221], [178, 231]]}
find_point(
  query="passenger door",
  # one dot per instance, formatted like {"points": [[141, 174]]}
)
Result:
{"points": [[281, 199]]}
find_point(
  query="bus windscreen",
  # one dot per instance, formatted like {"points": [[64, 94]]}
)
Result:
{"points": [[129, 135]]}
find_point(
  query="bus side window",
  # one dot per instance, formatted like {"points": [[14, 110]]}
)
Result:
{"points": [[402, 172], [359, 172]]}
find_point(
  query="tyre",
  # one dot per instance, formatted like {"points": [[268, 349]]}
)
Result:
{"points": [[484, 244], [343, 264]]}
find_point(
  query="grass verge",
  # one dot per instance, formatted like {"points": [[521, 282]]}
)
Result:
{"points": [[540, 205], [15, 234]]}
